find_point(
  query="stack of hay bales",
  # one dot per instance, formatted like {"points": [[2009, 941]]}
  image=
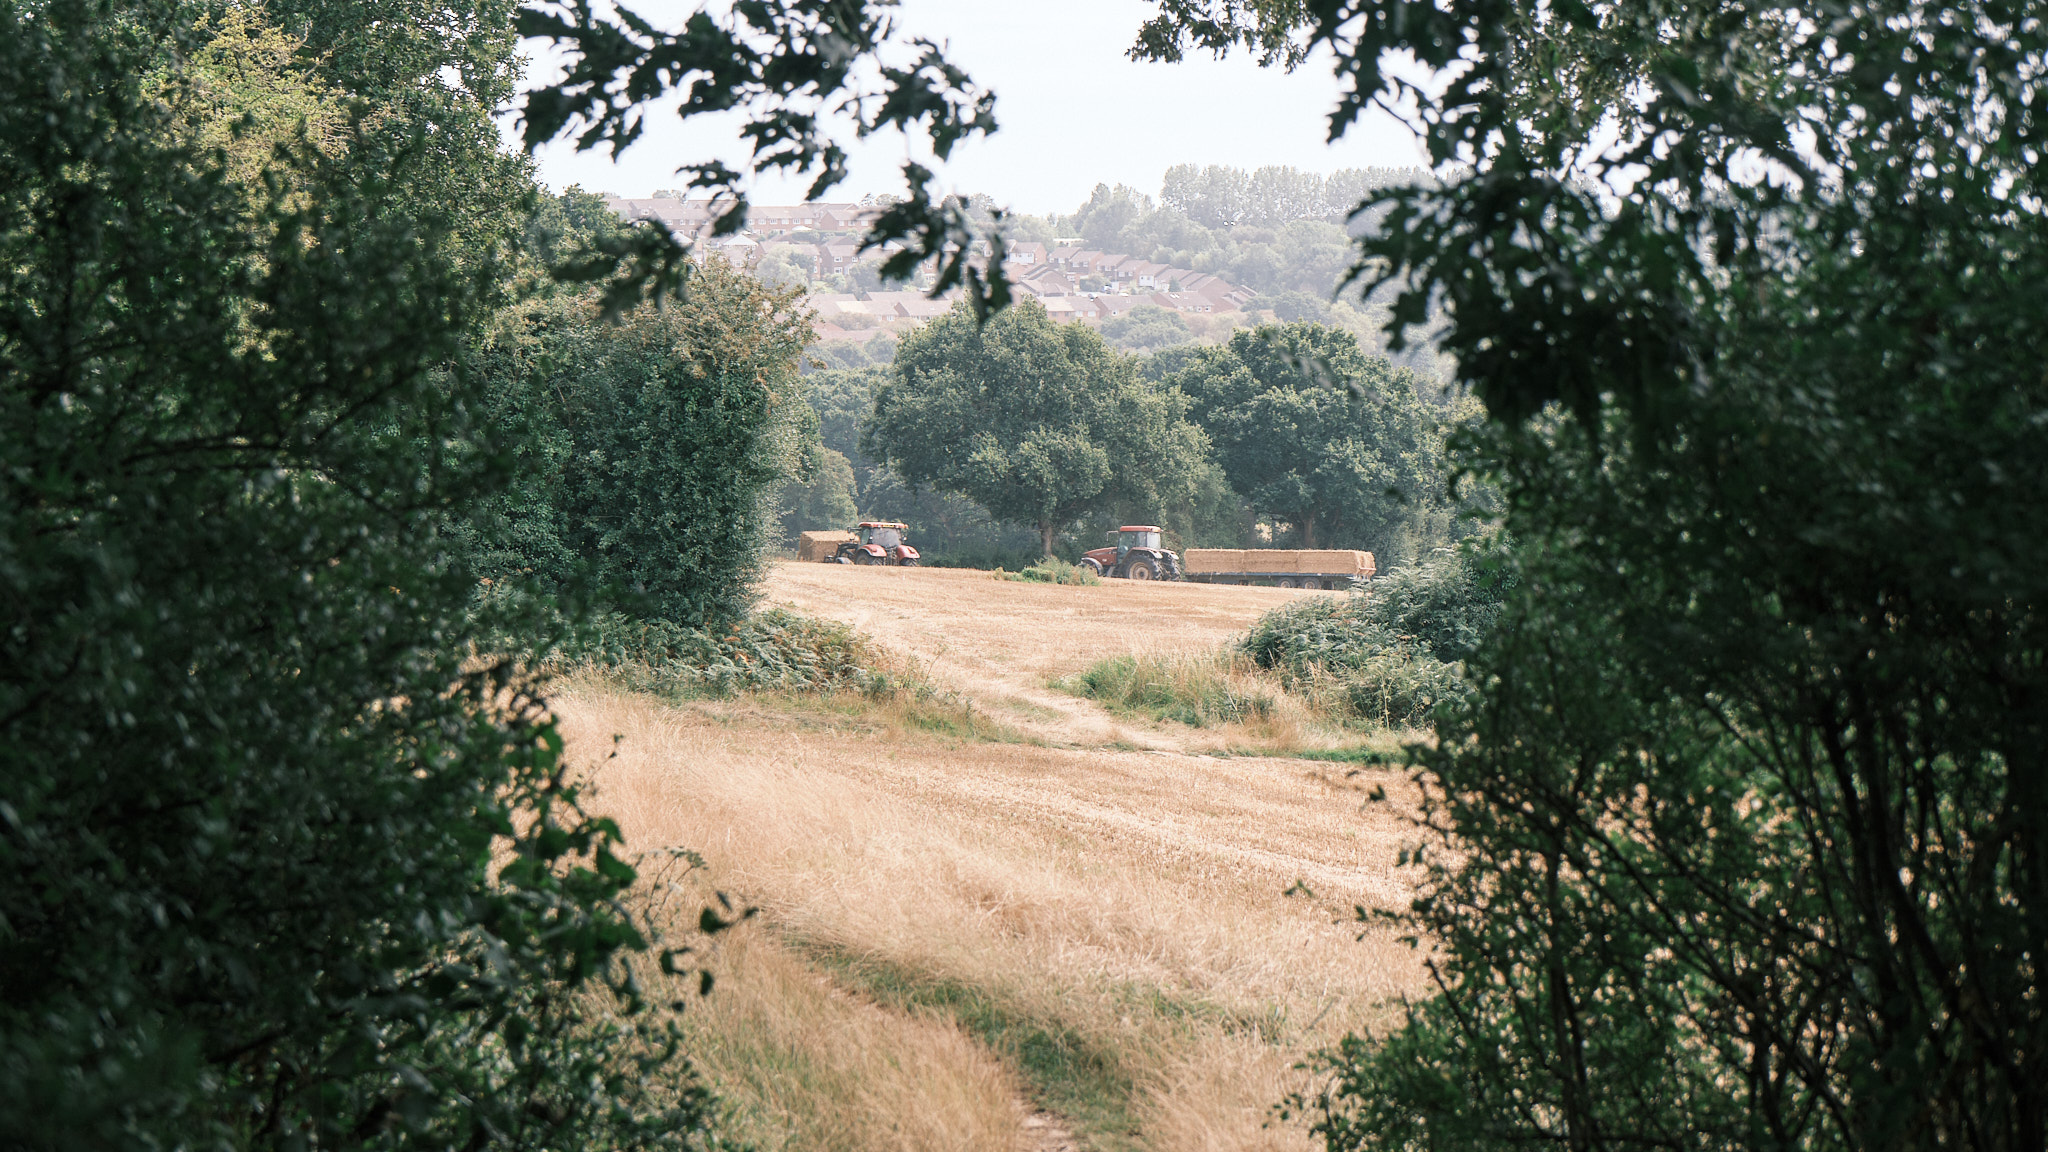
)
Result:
{"points": [[1324, 561], [822, 545]]}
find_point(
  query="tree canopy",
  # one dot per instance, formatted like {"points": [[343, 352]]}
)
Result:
{"points": [[652, 445], [1348, 461], [1037, 422]]}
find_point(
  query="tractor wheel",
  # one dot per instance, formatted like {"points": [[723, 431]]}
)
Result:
{"points": [[1092, 564], [1284, 582], [863, 558], [910, 563], [1311, 583], [1142, 568]]}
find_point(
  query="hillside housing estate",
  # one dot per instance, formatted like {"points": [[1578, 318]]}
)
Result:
{"points": [[1072, 282]]}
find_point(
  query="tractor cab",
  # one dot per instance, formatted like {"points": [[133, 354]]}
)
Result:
{"points": [[1136, 536], [881, 542]]}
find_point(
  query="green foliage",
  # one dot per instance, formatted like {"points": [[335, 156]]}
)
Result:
{"points": [[824, 502], [773, 63], [1145, 328], [1053, 570], [777, 650], [280, 865], [1279, 253], [656, 445], [949, 530], [1216, 196], [1742, 843], [1036, 422], [1391, 654], [1195, 691], [1354, 461]]}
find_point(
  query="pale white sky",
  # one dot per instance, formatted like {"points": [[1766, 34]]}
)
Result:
{"points": [[1073, 110]]}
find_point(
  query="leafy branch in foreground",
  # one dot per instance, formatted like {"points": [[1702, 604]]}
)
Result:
{"points": [[280, 865], [1742, 840], [790, 68]]}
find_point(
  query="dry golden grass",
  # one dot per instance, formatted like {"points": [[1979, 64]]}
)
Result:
{"points": [[951, 926]]}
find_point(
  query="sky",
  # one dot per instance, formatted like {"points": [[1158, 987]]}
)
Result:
{"points": [[1073, 111]]}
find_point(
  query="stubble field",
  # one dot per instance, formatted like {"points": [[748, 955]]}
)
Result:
{"points": [[1032, 926]]}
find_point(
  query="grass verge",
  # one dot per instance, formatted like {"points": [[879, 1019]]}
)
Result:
{"points": [[1067, 1072]]}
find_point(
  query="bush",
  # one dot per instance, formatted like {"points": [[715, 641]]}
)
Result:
{"points": [[1053, 570], [1197, 691], [773, 650], [655, 446], [1391, 653], [279, 869]]}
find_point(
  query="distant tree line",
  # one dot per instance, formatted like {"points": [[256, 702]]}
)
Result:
{"points": [[1217, 196], [1045, 425]]}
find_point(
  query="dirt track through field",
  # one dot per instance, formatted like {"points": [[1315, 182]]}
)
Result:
{"points": [[1103, 921], [1002, 642]]}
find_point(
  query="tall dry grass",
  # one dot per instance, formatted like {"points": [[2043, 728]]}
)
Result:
{"points": [[951, 925]]}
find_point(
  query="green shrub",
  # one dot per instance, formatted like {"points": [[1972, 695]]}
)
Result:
{"points": [[1053, 570], [1195, 691], [650, 449], [777, 650], [1391, 653]]}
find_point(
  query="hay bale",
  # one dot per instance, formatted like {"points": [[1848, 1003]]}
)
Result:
{"points": [[822, 545], [1334, 560], [1212, 560]]}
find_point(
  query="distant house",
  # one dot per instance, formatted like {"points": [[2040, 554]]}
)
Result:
{"points": [[1122, 270], [1028, 253], [1150, 275], [1062, 256], [1084, 263], [909, 305], [833, 305], [836, 257], [1111, 306], [1046, 280], [742, 250], [1065, 308], [685, 218]]}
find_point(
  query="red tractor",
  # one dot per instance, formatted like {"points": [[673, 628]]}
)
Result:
{"points": [[1137, 555], [881, 542]]}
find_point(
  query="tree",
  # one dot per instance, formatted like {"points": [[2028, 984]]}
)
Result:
{"points": [[825, 501], [779, 64], [1035, 421], [657, 444], [948, 528], [283, 863], [1349, 461], [1145, 328], [1743, 841]]}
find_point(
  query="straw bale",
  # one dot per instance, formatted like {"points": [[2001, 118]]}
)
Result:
{"points": [[821, 545]]}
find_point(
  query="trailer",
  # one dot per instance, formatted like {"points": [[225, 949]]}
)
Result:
{"points": [[1314, 568]]}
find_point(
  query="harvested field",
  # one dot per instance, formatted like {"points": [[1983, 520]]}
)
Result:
{"points": [[1100, 937]]}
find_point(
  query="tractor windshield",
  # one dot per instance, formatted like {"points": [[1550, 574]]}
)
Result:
{"points": [[885, 537], [1140, 540]]}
